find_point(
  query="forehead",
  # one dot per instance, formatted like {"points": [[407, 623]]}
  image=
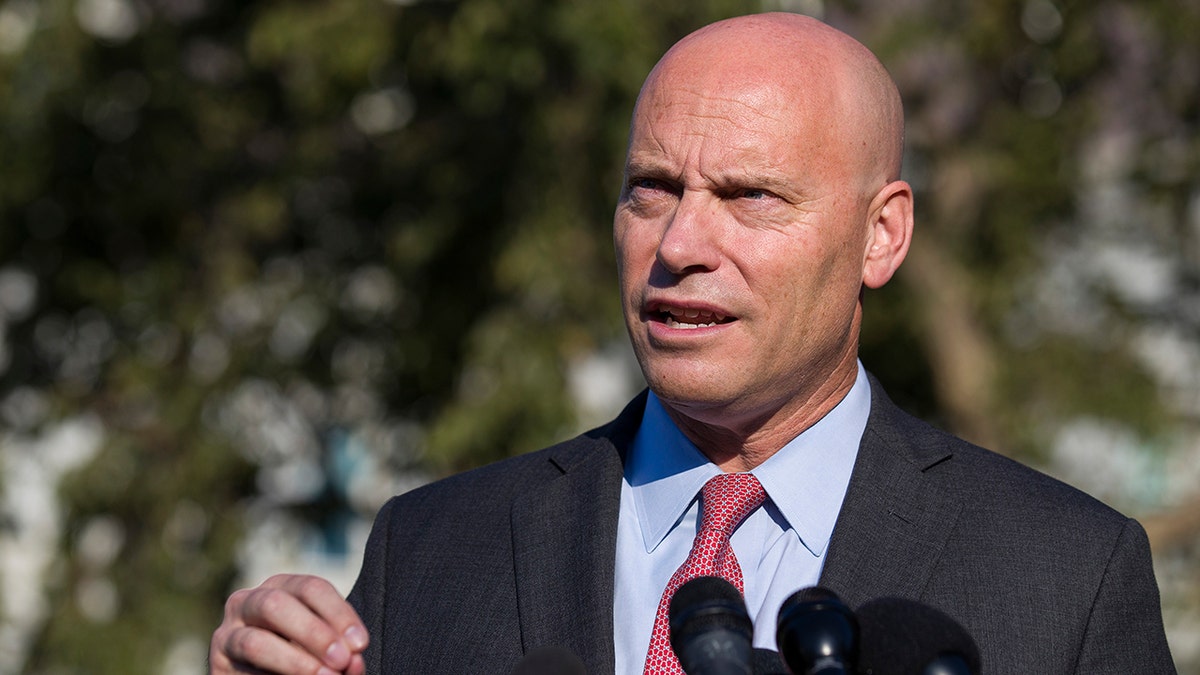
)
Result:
{"points": [[700, 103], [711, 122]]}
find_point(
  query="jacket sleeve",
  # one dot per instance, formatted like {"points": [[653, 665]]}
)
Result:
{"points": [[367, 596], [1125, 630]]}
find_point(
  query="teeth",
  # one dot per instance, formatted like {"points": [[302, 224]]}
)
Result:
{"points": [[673, 323], [691, 318]]}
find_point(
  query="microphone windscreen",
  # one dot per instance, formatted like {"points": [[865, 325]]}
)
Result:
{"points": [[810, 594], [708, 602], [711, 632], [703, 589], [550, 661], [901, 636], [817, 633]]}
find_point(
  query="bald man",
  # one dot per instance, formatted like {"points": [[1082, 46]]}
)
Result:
{"points": [[761, 197]]}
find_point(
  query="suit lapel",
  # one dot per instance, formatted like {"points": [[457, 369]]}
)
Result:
{"points": [[565, 542], [895, 518]]}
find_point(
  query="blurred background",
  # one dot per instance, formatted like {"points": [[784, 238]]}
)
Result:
{"points": [[265, 264]]}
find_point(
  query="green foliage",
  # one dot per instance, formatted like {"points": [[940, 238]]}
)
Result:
{"points": [[389, 222]]}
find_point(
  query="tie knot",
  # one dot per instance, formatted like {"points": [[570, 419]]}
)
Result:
{"points": [[727, 499]]}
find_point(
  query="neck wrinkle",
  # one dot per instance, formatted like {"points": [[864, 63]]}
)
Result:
{"points": [[735, 452]]}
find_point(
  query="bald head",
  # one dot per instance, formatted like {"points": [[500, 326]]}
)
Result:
{"points": [[816, 72]]}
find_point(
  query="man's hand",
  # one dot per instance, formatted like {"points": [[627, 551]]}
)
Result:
{"points": [[291, 624]]}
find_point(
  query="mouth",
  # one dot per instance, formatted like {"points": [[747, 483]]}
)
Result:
{"points": [[687, 318]]}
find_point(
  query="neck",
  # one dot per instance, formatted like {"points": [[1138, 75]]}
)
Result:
{"points": [[741, 445]]}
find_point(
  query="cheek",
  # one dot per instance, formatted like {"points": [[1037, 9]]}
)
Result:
{"points": [[777, 264], [805, 281], [634, 246], [627, 265]]}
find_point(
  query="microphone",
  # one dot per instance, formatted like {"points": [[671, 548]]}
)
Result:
{"points": [[817, 633], [711, 632], [905, 637], [550, 661]]}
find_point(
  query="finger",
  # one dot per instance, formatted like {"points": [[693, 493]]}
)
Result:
{"points": [[255, 650], [280, 612], [326, 602]]}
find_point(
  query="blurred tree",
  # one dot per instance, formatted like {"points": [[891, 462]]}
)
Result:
{"points": [[270, 242], [292, 257]]}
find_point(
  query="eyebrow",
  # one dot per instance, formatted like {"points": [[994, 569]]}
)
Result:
{"points": [[645, 167], [739, 177]]}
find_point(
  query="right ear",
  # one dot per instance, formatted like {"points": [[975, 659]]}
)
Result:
{"points": [[891, 227]]}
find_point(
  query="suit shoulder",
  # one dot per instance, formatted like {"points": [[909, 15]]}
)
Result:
{"points": [[493, 485], [982, 474], [988, 482], [1007, 501]]}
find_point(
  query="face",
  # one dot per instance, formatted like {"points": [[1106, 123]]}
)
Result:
{"points": [[741, 234]]}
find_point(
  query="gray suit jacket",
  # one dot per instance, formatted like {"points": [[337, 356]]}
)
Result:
{"points": [[467, 574]]}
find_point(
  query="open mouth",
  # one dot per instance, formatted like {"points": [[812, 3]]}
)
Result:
{"points": [[687, 318]]}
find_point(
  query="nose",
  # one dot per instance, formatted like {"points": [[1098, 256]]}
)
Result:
{"points": [[689, 242]]}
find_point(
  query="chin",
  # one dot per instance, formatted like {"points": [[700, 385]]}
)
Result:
{"points": [[701, 391]]}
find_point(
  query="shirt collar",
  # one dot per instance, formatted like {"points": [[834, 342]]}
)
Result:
{"points": [[806, 480]]}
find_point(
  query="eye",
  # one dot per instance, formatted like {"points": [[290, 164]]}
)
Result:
{"points": [[751, 193], [646, 190], [645, 184]]}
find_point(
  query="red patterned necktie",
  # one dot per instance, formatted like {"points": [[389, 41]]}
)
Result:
{"points": [[725, 501]]}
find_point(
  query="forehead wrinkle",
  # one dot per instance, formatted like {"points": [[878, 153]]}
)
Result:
{"points": [[717, 164], [680, 130], [741, 105], [654, 160]]}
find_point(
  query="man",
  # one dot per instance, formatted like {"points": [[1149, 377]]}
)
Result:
{"points": [[761, 197]]}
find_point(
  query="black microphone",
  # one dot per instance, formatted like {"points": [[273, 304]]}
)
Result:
{"points": [[817, 633], [711, 632], [905, 637], [550, 661]]}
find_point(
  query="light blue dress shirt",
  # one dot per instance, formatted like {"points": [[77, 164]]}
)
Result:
{"points": [[780, 546]]}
